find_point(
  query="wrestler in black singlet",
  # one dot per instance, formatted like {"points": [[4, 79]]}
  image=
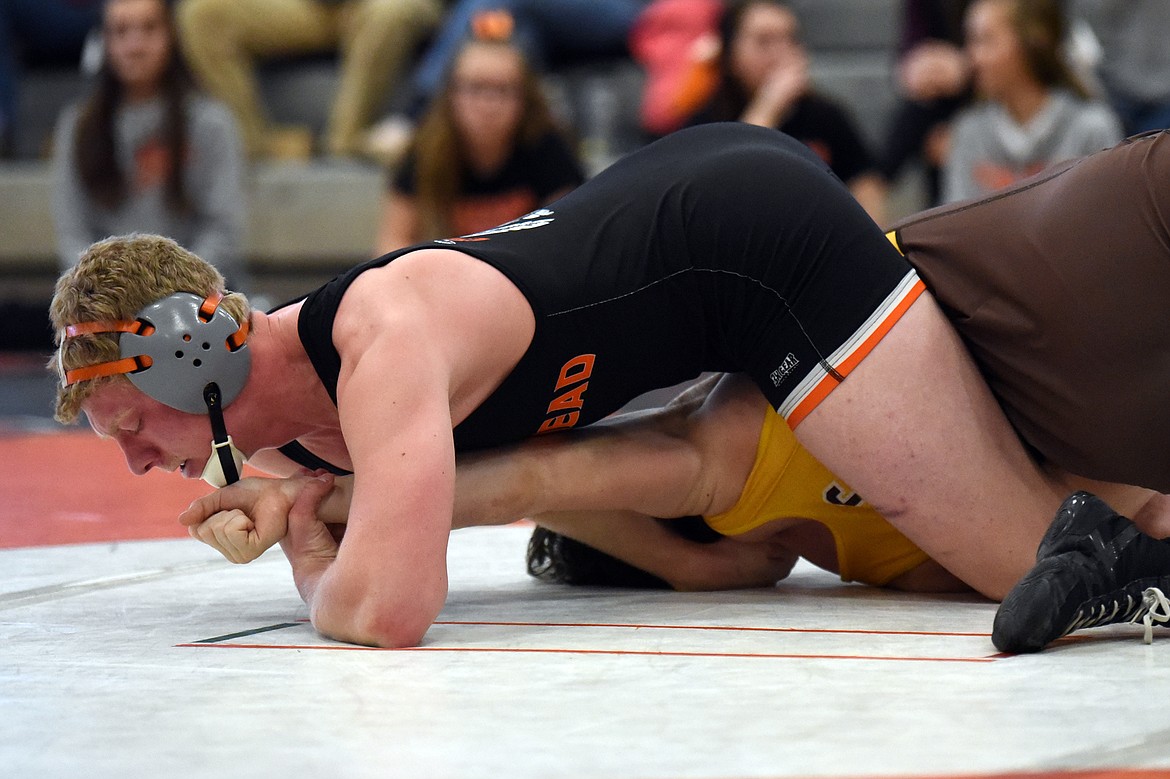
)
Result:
{"points": [[721, 248]]}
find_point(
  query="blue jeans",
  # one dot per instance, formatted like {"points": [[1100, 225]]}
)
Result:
{"points": [[569, 27], [1138, 116]]}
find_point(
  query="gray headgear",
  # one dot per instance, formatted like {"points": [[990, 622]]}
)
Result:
{"points": [[188, 350]]}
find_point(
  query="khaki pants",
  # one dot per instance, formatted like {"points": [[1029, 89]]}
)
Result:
{"points": [[223, 38]]}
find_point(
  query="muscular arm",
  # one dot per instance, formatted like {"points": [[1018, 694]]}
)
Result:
{"points": [[422, 341], [685, 565], [634, 466], [690, 458]]}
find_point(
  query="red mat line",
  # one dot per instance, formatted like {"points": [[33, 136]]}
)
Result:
{"points": [[618, 652], [716, 627]]}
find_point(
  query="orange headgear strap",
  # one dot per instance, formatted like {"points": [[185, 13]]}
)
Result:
{"points": [[236, 339], [138, 327], [124, 365], [208, 306]]}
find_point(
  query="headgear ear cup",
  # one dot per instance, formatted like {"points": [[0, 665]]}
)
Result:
{"points": [[198, 364], [187, 353], [189, 349]]}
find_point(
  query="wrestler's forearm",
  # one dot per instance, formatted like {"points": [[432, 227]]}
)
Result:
{"points": [[636, 468], [645, 471], [334, 507], [633, 538], [647, 544], [688, 458], [645, 461]]}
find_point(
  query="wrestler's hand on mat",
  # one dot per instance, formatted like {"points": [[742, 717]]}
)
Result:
{"points": [[310, 544], [245, 519], [742, 565]]}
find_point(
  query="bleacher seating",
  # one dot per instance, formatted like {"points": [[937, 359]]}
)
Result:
{"points": [[853, 45], [322, 215]]}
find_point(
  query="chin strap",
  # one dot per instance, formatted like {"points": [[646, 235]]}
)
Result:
{"points": [[221, 442]]}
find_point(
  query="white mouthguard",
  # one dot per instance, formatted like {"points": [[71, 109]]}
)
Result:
{"points": [[213, 472]]}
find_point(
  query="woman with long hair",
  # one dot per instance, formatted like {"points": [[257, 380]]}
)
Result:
{"points": [[486, 152], [144, 152], [1032, 109], [763, 79]]}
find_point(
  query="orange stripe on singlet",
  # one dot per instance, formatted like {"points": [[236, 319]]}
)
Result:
{"points": [[830, 382]]}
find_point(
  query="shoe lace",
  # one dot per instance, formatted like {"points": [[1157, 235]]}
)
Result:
{"points": [[1107, 611], [1155, 607]]}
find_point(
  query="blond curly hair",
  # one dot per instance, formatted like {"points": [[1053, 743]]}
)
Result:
{"points": [[114, 280]]}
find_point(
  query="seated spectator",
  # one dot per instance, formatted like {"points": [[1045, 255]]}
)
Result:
{"points": [[543, 29], [1134, 64], [224, 38], [677, 44], [146, 153], [763, 79], [934, 81], [38, 32], [486, 152], [1032, 112]]}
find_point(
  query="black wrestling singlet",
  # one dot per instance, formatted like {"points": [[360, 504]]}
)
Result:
{"points": [[720, 248]]}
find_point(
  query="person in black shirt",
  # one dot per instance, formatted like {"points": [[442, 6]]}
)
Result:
{"points": [[764, 80], [487, 152]]}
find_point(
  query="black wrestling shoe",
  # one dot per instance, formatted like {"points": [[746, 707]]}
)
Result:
{"points": [[1077, 525], [1094, 567]]}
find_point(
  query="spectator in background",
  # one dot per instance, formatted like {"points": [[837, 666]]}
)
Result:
{"points": [[486, 152], [224, 38], [1032, 112], [545, 30], [763, 80], [1135, 58], [933, 78], [38, 32], [145, 152], [677, 44]]}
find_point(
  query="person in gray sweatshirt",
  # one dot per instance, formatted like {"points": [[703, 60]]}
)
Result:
{"points": [[145, 152], [1033, 110]]}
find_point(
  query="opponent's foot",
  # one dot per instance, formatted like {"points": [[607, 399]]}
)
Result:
{"points": [[1094, 567]]}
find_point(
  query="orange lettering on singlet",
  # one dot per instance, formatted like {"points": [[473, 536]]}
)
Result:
{"points": [[575, 370], [570, 400], [556, 423], [575, 373]]}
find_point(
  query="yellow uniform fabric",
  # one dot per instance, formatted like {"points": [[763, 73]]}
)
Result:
{"points": [[788, 482]]}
